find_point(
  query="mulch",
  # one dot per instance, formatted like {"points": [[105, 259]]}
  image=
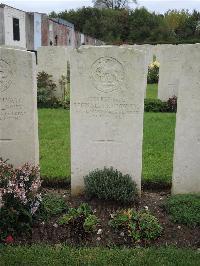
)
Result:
{"points": [[73, 234]]}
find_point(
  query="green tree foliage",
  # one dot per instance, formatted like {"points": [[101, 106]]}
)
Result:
{"points": [[121, 25]]}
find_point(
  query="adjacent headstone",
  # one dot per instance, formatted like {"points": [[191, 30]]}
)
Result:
{"points": [[169, 72], [53, 60], [18, 107], [186, 173], [107, 103], [148, 49], [159, 48]]}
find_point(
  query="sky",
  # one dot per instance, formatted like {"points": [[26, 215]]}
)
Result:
{"points": [[46, 6]]}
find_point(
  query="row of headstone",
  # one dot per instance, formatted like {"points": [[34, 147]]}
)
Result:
{"points": [[107, 95], [107, 103], [54, 60]]}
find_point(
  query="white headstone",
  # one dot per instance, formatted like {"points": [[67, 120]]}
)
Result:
{"points": [[186, 173], [18, 107], [169, 73], [107, 104], [53, 60]]}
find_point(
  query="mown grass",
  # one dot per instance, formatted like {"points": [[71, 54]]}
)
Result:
{"points": [[152, 91], [158, 146], [54, 134], [54, 137], [63, 255]]}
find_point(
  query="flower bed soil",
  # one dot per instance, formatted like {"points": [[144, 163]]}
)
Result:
{"points": [[73, 234]]}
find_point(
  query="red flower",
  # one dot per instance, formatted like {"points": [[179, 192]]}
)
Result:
{"points": [[9, 239]]}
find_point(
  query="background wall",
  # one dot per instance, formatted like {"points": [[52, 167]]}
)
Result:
{"points": [[9, 13], [30, 31], [37, 30]]}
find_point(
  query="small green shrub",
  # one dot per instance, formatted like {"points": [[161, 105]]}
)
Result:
{"points": [[110, 184], [156, 105], [51, 205], [45, 92], [184, 209], [141, 225], [83, 216]]}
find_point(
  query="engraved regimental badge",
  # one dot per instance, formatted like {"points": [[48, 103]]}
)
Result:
{"points": [[107, 74], [5, 75]]}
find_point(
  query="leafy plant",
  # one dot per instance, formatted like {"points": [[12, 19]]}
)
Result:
{"points": [[45, 91], [19, 198], [46, 88], [184, 209], [84, 215], [141, 225], [90, 223], [110, 184], [156, 105], [51, 205]]}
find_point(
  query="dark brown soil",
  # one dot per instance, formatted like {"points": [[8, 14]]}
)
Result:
{"points": [[52, 233]]}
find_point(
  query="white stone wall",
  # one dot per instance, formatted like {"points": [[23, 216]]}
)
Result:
{"points": [[9, 14]]}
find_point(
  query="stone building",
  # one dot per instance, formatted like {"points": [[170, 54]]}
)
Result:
{"points": [[12, 27], [57, 32], [31, 30]]}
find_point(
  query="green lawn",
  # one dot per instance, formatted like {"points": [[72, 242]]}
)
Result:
{"points": [[152, 91], [158, 146], [63, 255], [54, 134]]}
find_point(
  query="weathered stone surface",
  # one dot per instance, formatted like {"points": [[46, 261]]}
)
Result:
{"points": [[107, 103], [18, 107], [53, 60], [148, 49], [186, 173], [169, 73], [149, 52], [159, 48]]}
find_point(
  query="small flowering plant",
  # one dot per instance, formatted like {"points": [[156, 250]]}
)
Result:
{"points": [[19, 198], [153, 73], [139, 225]]}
